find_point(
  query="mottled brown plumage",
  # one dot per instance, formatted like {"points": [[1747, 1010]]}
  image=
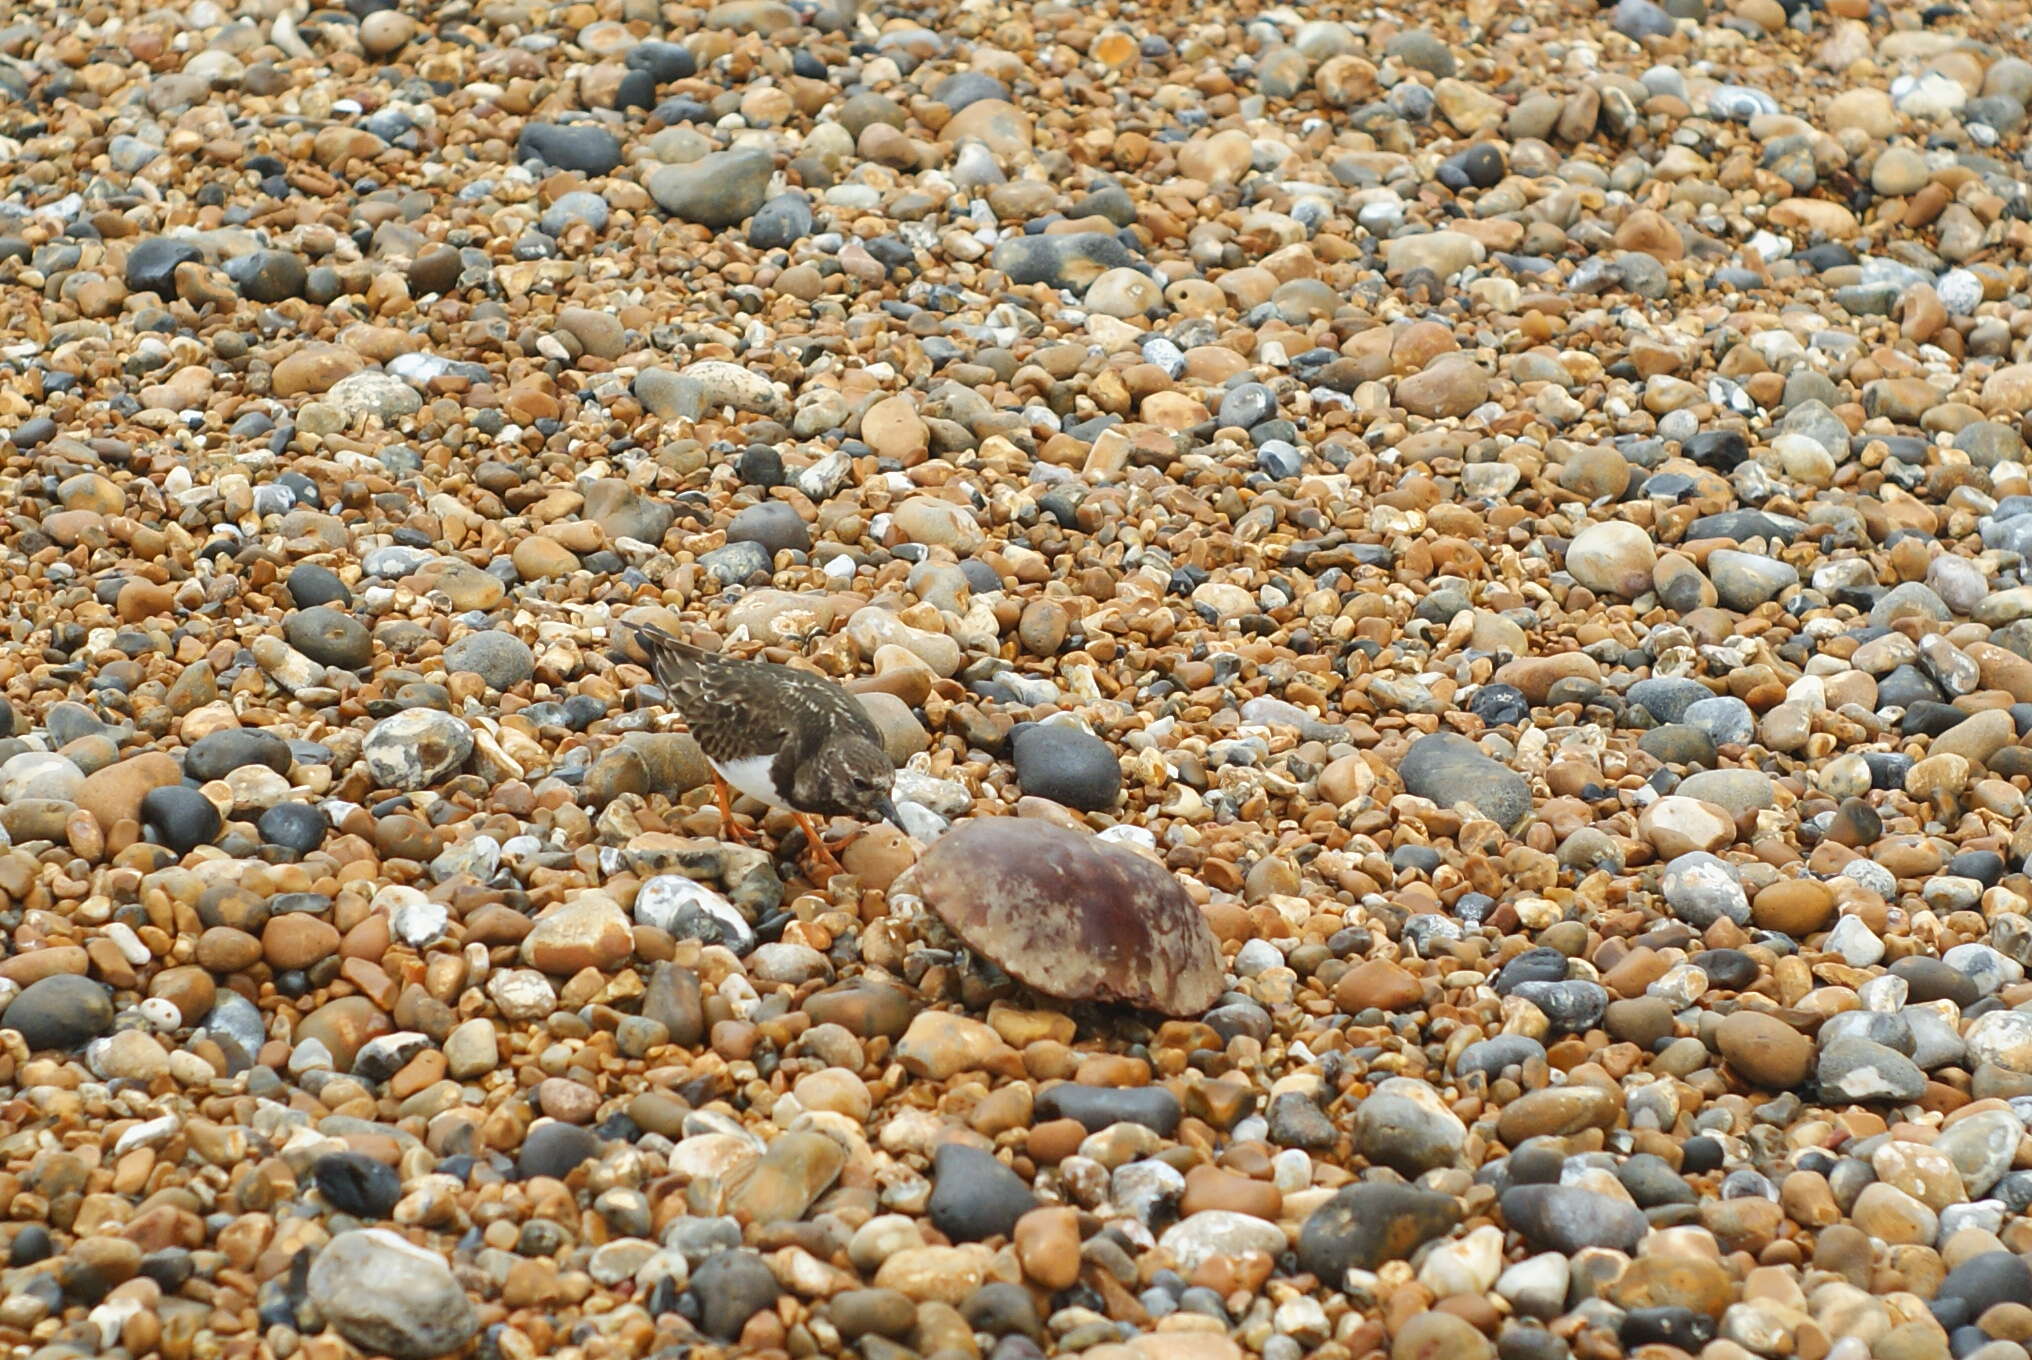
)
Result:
{"points": [[790, 738]]}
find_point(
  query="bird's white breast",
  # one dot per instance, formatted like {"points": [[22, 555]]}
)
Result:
{"points": [[750, 775]]}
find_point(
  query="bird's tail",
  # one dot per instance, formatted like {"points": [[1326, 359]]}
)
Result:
{"points": [[668, 656]]}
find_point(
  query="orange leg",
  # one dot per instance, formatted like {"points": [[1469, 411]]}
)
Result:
{"points": [[817, 847], [725, 796]]}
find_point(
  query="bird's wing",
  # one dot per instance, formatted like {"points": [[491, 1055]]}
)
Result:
{"points": [[750, 707], [723, 700], [838, 710]]}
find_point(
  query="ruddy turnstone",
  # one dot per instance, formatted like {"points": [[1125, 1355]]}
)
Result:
{"points": [[782, 736]]}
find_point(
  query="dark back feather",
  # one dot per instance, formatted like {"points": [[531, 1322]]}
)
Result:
{"points": [[739, 709]]}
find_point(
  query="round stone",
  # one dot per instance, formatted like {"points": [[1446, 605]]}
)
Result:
{"points": [[330, 637], [774, 526], [555, 1149], [180, 818], [1067, 765], [311, 585], [501, 659], [297, 827], [63, 1011]]}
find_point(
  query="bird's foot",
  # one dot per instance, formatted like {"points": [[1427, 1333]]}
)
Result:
{"points": [[729, 828], [817, 850]]}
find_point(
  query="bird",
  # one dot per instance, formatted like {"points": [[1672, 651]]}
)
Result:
{"points": [[783, 736]]}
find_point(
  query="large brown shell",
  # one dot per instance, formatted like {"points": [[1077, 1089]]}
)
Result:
{"points": [[1071, 915]]}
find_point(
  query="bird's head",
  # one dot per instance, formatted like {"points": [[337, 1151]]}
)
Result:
{"points": [[851, 777]]}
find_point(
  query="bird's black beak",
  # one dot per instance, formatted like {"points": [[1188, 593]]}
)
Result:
{"points": [[890, 815]]}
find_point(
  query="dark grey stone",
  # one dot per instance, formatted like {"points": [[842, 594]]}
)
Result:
{"points": [[151, 265], [1097, 1107], [217, 754], [731, 1287], [269, 275], [1297, 1121], [180, 818], [330, 637], [310, 585], [775, 526], [293, 826], [1856, 1069], [1072, 260], [1367, 1225], [570, 146], [1574, 1006], [1067, 765], [1640, 19], [1448, 769], [354, 1183], [1566, 1218], [783, 221], [1667, 698], [974, 1196], [556, 1150], [64, 1011]]}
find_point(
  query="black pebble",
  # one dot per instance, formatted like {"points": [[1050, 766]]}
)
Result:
{"points": [[1483, 165], [30, 1245], [1699, 1155], [1097, 1107], [1966, 1341], [293, 826], [1930, 719], [556, 1150], [731, 1287], [663, 61], [1731, 970], [151, 265], [1542, 964], [1721, 450], [1984, 866], [1675, 1326], [663, 1297], [981, 577], [1002, 1309], [635, 90], [1887, 769], [357, 1185], [1983, 1281], [169, 1267], [1821, 258], [618, 1128], [1520, 1341], [180, 818], [1499, 705], [760, 465], [311, 585], [1421, 859], [1536, 1164], [974, 1196]]}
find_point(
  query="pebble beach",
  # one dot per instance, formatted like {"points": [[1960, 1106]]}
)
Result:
{"points": [[1490, 544]]}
